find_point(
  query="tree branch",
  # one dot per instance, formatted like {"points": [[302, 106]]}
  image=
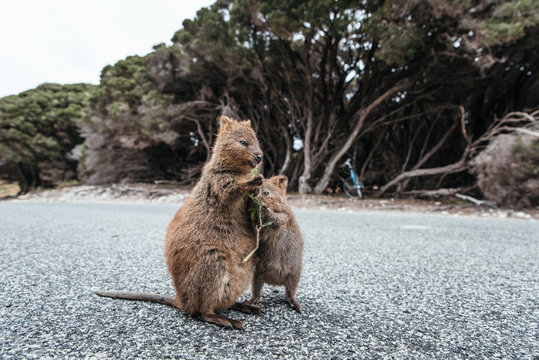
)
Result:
{"points": [[361, 115], [448, 169]]}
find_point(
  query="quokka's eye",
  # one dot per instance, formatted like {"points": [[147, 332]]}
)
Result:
{"points": [[266, 193], [244, 143]]}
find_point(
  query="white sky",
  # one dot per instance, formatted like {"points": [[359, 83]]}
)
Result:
{"points": [[70, 41]]}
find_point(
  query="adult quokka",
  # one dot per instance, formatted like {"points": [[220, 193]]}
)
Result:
{"points": [[210, 234]]}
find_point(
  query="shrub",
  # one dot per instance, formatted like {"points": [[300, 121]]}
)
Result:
{"points": [[508, 170]]}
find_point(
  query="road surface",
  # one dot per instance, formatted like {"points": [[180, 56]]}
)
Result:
{"points": [[374, 286]]}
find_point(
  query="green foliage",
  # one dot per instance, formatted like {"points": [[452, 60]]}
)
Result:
{"points": [[38, 130], [499, 31], [400, 45], [285, 18], [128, 100], [210, 37], [123, 85], [404, 28], [279, 63], [256, 211], [510, 20], [527, 155], [399, 38]]}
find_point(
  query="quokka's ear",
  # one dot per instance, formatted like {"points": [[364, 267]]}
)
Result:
{"points": [[225, 122], [246, 122], [281, 181]]}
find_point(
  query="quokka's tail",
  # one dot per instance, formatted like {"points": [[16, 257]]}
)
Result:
{"points": [[138, 296]]}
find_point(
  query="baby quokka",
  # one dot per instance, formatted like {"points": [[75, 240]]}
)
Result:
{"points": [[279, 256]]}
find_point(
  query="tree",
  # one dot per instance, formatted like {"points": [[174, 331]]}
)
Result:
{"points": [[38, 130], [292, 68], [331, 74], [134, 132], [496, 74], [401, 87]]}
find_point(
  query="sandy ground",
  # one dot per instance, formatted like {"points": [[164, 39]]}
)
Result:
{"points": [[172, 194]]}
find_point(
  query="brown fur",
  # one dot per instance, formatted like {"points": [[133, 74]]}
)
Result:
{"points": [[279, 257], [210, 234]]}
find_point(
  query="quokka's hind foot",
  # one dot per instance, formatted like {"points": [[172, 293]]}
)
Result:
{"points": [[251, 301], [221, 321], [247, 308], [294, 304]]}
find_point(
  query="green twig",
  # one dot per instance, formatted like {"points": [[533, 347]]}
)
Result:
{"points": [[256, 211]]}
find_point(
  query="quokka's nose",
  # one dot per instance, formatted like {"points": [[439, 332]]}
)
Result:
{"points": [[258, 158]]}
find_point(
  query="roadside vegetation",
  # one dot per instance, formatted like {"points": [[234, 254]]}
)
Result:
{"points": [[411, 91]]}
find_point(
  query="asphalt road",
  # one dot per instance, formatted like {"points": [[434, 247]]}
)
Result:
{"points": [[374, 285]]}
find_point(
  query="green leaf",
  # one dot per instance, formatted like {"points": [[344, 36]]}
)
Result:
{"points": [[254, 171]]}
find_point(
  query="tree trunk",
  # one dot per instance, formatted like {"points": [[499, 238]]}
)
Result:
{"points": [[21, 179], [362, 115], [303, 180], [288, 153]]}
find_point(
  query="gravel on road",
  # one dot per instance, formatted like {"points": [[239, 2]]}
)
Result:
{"points": [[374, 286]]}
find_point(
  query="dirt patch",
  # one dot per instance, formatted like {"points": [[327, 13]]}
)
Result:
{"points": [[173, 194], [446, 206], [8, 189]]}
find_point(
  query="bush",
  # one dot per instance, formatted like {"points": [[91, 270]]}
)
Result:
{"points": [[508, 170], [38, 130]]}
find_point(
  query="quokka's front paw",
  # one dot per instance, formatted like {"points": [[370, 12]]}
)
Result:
{"points": [[257, 180], [254, 191]]}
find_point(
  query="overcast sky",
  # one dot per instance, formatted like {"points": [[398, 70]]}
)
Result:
{"points": [[70, 41]]}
